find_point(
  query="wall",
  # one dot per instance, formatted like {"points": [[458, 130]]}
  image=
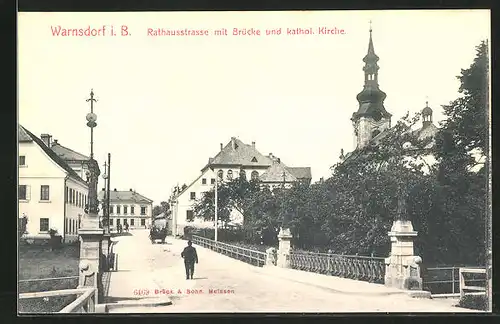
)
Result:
{"points": [[366, 126], [185, 203], [41, 170], [136, 217], [74, 209]]}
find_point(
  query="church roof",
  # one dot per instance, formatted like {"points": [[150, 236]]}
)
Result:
{"points": [[68, 154], [27, 136], [238, 153], [125, 196]]}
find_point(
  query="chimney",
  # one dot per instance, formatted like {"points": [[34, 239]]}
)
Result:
{"points": [[55, 142], [253, 144], [233, 143], [221, 146], [279, 161], [46, 139], [130, 189], [271, 155], [114, 189]]}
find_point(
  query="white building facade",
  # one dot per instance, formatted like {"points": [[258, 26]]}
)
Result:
{"points": [[235, 159], [52, 196], [128, 207]]}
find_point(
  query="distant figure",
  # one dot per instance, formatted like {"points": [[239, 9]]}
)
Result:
{"points": [[190, 257]]}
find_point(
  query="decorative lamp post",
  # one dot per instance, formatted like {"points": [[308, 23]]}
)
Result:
{"points": [[91, 235], [92, 209]]}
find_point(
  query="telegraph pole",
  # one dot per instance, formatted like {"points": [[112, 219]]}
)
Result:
{"points": [[108, 207]]}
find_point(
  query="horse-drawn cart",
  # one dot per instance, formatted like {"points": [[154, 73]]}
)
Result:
{"points": [[157, 234]]}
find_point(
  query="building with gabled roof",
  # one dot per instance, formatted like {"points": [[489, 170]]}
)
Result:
{"points": [[128, 207], [235, 159], [51, 194]]}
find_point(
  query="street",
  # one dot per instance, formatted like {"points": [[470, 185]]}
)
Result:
{"points": [[222, 284]]}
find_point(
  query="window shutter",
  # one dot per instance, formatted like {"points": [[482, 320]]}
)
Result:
{"points": [[28, 192]]}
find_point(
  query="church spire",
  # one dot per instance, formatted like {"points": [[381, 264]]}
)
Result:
{"points": [[371, 67], [371, 99]]}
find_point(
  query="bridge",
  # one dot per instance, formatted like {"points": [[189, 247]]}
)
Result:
{"points": [[151, 279]]}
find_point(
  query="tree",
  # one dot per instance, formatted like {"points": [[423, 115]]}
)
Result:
{"points": [[462, 150], [164, 207]]}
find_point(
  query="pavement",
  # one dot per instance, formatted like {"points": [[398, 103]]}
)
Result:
{"points": [[151, 279]]}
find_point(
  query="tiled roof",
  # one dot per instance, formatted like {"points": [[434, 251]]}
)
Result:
{"points": [[301, 172], [68, 154], [241, 154], [23, 136], [126, 196], [48, 151], [275, 174]]}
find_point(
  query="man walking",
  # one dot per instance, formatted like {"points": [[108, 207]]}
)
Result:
{"points": [[190, 257]]}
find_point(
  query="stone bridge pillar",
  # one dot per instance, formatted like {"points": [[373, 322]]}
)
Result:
{"points": [[91, 255], [285, 238], [402, 266], [271, 257]]}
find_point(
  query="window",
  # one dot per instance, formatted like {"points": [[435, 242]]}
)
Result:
{"points": [[143, 222], [44, 224], [79, 199], [111, 222], [255, 175], [118, 209], [85, 201], [44, 192], [204, 181], [192, 195], [24, 192], [143, 210], [117, 221], [132, 222], [72, 196], [132, 210], [72, 226], [189, 215], [111, 209], [66, 194], [243, 174], [220, 174], [125, 221], [230, 174], [212, 181], [125, 209], [22, 160]]}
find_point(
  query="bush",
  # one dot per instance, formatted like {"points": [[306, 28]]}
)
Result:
{"points": [[478, 302]]}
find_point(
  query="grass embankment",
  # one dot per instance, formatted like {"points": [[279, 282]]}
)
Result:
{"points": [[37, 262]]}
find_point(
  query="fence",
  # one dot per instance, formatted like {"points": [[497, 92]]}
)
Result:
{"points": [[473, 289], [84, 303], [445, 280], [371, 269], [252, 257]]}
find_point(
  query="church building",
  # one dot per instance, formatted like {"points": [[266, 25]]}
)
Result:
{"points": [[372, 121]]}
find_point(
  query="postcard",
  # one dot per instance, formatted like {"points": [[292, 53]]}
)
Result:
{"points": [[254, 162]]}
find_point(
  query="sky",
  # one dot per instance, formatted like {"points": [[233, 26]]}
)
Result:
{"points": [[165, 103]]}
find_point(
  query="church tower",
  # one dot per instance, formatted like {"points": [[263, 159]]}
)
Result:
{"points": [[371, 117]]}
